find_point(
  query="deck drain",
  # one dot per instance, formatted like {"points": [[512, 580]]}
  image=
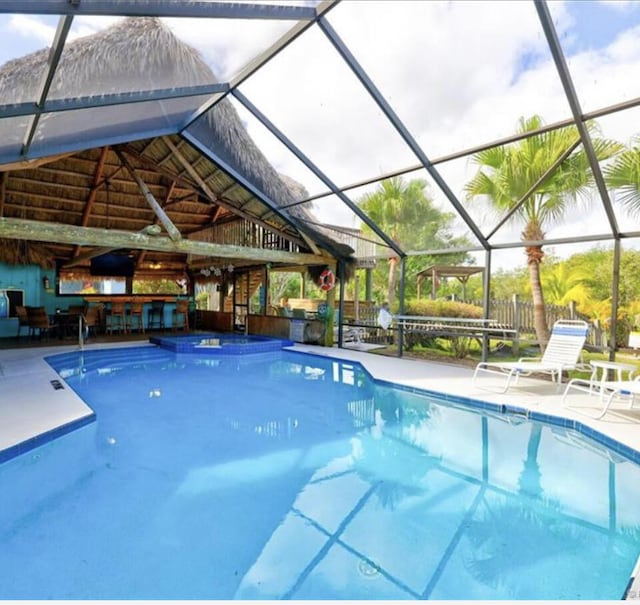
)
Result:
{"points": [[368, 569], [56, 384]]}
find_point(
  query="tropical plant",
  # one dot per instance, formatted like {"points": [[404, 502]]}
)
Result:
{"points": [[623, 175], [514, 179], [406, 212], [564, 284], [442, 308]]}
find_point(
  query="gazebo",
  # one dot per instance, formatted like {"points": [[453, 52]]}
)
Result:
{"points": [[435, 272]]}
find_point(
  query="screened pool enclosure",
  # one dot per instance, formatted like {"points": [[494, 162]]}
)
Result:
{"points": [[206, 140]]}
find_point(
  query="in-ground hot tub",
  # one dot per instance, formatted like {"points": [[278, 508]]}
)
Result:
{"points": [[220, 343]]}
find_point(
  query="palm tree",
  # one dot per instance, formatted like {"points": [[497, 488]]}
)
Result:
{"points": [[623, 175], [513, 178], [405, 212], [392, 206]]}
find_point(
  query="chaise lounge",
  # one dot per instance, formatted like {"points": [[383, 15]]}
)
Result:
{"points": [[561, 354], [608, 391]]}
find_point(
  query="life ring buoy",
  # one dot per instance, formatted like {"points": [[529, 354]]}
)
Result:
{"points": [[327, 280]]}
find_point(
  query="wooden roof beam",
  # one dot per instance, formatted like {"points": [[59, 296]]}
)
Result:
{"points": [[217, 200], [172, 230], [95, 185], [167, 197], [14, 228]]}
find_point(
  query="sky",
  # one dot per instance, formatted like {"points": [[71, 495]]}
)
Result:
{"points": [[457, 74]]}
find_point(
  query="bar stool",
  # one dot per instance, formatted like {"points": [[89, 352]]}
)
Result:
{"points": [[115, 317], [135, 314], [155, 316], [181, 315]]}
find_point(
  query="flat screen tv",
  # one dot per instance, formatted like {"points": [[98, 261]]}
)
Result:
{"points": [[112, 265]]}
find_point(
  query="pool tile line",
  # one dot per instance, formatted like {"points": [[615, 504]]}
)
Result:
{"points": [[509, 410], [34, 442], [355, 552], [626, 451], [393, 580]]}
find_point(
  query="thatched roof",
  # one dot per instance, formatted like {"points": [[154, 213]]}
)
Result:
{"points": [[88, 185], [21, 252]]}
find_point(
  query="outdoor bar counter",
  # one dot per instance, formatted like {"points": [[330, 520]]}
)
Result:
{"points": [[169, 306]]}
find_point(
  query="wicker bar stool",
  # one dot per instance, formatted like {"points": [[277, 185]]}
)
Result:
{"points": [[116, 319], [135, 320], [181, 315]]}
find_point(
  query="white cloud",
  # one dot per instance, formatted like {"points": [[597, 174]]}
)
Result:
{"points": [[618, 5], [88, 25], [32, 27], [227, 45]]}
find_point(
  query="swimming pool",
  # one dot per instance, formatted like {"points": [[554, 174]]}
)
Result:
{"points": [[285, 475]]}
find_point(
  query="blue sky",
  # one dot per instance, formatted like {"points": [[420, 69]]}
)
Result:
{"points": [[596, 23]]}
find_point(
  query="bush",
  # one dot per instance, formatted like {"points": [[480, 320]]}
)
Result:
{"points": [[442, 308]]}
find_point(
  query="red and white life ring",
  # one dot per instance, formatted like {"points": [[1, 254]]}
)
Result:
{"points": [[327, 280]]}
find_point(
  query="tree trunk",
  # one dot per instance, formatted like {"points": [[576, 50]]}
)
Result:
{"points": [[539, 312], [533, 232], [393, 279], [529, 479]]}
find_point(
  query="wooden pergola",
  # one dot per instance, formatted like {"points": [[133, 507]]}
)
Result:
{"points": [[436, 272]]}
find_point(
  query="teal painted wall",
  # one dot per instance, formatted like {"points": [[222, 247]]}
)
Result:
{"points": [[29, 279]]}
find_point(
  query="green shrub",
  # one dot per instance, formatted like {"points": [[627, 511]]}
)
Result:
{"points": [[442, 308]]}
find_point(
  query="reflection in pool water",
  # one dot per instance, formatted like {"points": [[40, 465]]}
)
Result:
{"points": [[284, 475]]}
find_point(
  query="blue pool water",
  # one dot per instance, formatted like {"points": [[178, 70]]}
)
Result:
{"points": [[284, 475]]}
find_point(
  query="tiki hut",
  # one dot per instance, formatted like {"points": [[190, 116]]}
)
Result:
{"points": [[103, 177]]}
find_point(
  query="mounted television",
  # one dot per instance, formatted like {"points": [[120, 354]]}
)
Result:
{"points": [[112, 265]]}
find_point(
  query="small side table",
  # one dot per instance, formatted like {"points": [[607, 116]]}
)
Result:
{"points": [[605, 366]]}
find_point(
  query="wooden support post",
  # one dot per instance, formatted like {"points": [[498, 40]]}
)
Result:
{"points": [[516, 325], [3, 191]]}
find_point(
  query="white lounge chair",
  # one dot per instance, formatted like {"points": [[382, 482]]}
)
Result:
{"points": [[562, 353], [608, 390], [353, 334]]}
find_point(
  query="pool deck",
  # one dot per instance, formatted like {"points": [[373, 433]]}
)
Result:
{"points": [[32, 409]]}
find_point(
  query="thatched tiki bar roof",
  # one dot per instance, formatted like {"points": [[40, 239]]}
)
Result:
{"points": [[97, 178]]}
